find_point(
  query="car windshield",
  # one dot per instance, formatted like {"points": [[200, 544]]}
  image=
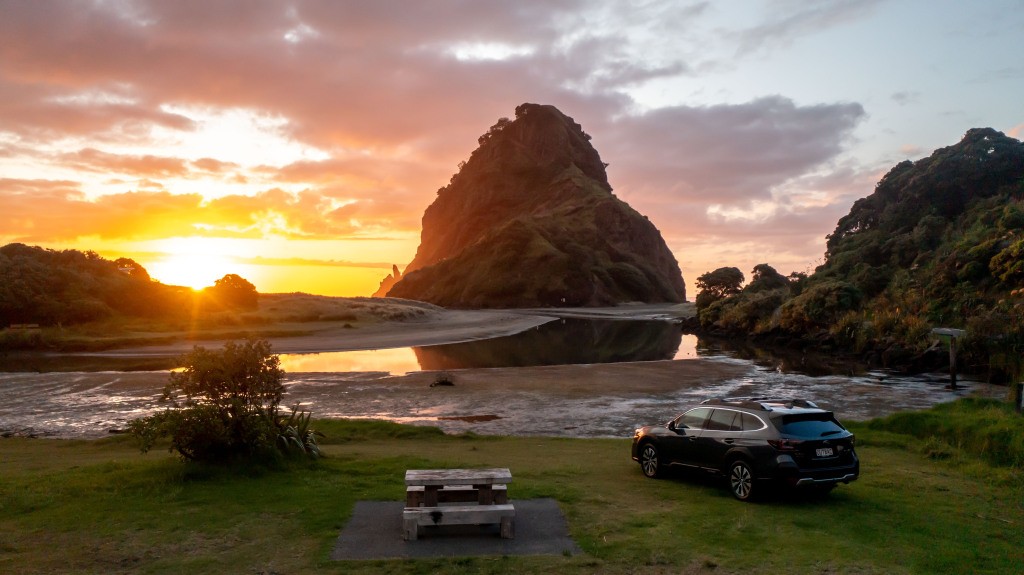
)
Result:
{"points": [[693, 419], [810, 425]]}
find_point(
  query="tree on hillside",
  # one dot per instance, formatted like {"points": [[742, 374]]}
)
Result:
{"points": [[68, 287], [132, 268], [225, 405], [718, 284], [766, 278], [234, 291]]}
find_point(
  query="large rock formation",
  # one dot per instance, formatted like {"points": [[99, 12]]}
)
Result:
{"points": [[530, 220], [388, 281]]}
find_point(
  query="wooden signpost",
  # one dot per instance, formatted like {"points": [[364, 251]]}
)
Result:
{"points": [[952, 334]]}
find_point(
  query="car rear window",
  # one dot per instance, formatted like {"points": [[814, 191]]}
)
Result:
{"points": [[810, 425], [750, 423]]}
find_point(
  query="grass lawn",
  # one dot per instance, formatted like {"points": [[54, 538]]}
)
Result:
{"points": [[102, 507]]}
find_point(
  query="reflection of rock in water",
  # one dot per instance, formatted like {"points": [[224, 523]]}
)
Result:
{"points": [[567, 341]]}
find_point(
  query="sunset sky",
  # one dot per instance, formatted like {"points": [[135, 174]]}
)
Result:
{"points": [[297, 143]]}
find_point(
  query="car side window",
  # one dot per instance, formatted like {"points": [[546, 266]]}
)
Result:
{"points": [[693, 419], [749, 422], [722, 420]]}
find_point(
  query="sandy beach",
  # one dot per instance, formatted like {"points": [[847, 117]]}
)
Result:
{"points": [[439, 326]]}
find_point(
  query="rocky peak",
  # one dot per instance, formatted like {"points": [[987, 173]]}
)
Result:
{"points": [[530, 219]]}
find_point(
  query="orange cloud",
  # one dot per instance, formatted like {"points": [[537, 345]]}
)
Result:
{"points": [[52, 211], [393, 97], [92, 160]]}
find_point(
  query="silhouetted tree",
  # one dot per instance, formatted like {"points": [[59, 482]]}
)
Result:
{"points": [[234, 291], [718, 284], [766, 278], [132, 268]]}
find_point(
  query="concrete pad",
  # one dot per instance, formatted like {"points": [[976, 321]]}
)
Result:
{"points": [[375, 532]]}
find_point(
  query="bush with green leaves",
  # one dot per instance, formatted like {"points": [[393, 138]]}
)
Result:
{"points": [[224, 405]]}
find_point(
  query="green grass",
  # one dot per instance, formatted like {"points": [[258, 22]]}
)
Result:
{"points": [[101, 507], [987, 428]]}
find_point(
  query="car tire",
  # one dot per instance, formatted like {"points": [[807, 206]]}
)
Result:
{"points": [[741, 480], [650, 463]]}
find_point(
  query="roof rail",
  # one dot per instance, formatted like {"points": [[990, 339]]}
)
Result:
{"points": [[747, 402], [784, 402], [762, 403]]}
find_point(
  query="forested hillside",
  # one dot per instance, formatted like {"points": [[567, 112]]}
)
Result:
{"points": [[940, 243], [49, 287]]}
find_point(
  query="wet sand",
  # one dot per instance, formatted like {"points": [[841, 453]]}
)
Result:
{"points": [[437, 327]]}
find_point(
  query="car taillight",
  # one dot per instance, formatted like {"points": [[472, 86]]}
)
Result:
{"points": [[785, 444]]}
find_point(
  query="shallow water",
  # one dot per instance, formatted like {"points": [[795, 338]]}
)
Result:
{"points": [[90, 404], [571, 377]]}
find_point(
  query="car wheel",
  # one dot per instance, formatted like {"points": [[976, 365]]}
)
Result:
{"points": [[649, 462], [741, 480]]}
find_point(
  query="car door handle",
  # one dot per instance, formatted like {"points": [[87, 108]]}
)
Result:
{"points": [[730, 441]]}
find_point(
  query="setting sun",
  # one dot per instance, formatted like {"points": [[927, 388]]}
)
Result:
{"points": [[191, 262], [196, 271]]}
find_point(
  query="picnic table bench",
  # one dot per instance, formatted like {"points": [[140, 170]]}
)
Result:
{"points": [[457, 497]]}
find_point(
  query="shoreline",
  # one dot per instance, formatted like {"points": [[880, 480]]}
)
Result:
{"points": [[440, 327]]}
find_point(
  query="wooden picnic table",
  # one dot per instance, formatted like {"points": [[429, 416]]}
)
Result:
{"points": [[483, 481], [457, 496]]}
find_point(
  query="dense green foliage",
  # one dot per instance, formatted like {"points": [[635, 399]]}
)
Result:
{"points": [[938, 244], [48, 287], [224, 406]]}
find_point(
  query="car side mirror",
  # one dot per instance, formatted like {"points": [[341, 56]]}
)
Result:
{"points": [[672, 425]]}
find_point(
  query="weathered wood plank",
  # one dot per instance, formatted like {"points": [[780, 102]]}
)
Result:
{"points": [[414, 494], [458, 476], [416, 517]]}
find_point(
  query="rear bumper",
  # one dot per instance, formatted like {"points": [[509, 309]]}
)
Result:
{"points": [[811, 481], [788, 471]]}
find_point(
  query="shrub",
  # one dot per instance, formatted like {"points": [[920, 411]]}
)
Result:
{"points": [[224, 406], [819, 306]]}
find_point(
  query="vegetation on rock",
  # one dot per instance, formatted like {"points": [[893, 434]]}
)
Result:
{"points": [[938, 244], [530, 220]]}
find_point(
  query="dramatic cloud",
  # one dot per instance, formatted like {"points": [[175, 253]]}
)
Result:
{"points": [[46, 211], [728, 154], [323, 120]]}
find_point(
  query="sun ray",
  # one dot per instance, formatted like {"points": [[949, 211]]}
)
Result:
{"points": [[191, 262]]}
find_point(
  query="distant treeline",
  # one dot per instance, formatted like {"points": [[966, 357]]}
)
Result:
{"points": [[66, 287], [940, 243]]}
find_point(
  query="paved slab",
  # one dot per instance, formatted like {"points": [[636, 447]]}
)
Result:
{"points": [[375, 532]]}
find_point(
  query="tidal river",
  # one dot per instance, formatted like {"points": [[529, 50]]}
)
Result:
{"points": [[592, 380]]}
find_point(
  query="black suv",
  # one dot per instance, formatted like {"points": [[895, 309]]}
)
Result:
{"points": [[750, 440]]}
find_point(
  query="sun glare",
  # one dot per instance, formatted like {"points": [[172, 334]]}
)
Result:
{"points": [[196, 271], [191, 262]]}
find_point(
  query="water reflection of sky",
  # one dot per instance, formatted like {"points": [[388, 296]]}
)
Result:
{"points": [[398, 360], [687, 347], [402, 360]]}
